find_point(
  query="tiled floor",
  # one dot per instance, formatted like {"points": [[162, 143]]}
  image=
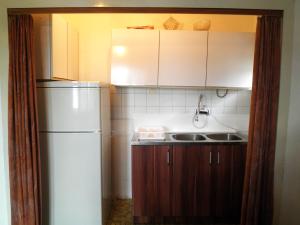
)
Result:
{"points": [[121, 213]]}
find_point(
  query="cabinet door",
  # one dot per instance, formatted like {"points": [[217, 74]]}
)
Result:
{"points": [[134, 57], [191, 181], [143, 180], [59, 47], [73, 62], [151, 183], [163, 175], [228, 177], [230, 59], [182, 58], [238, 174]]}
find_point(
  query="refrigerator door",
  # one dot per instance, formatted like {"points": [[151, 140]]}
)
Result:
{"points": [[71, 178], [69, 109]]}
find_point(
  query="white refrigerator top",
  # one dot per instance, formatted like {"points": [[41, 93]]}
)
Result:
{"points": [[71, 84], [73, 108]]}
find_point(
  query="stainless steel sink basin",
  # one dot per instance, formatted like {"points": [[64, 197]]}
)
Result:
{"points": [[196, 138], [188, 137], [224, 137]]}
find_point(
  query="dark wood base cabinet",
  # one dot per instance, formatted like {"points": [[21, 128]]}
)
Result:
{"points": [[188, 183]]}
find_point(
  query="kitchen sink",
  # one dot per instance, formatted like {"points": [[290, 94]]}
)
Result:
{"points": [[188, 137], [224, 137], [195, 138]]}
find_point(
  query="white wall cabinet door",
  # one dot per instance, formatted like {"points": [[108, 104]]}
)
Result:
{"points": [[59, 47], [182, 58], [56, 48], [73, 56], [134, 57], [230, 59]]}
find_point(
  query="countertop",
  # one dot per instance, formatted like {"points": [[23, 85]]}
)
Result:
{"points": [[170, 140]]}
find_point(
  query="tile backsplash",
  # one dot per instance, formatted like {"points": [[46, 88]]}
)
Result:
{"points": [[173, 108], [128, 101]]}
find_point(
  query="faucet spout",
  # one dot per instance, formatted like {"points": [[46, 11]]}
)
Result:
{"points": [[202, 109]]}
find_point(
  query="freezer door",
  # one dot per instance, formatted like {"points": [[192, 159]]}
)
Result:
{"points": [[71, 167], [69, 109]]}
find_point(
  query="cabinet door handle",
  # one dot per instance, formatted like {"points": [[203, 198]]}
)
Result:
{"points": [[168, 157], [209, 158], [218, 158]]}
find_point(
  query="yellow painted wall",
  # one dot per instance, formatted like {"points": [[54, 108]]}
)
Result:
{"points": [[95, 34]]}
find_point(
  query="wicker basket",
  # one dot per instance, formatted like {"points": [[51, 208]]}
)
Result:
{"points": [[171, 24]]}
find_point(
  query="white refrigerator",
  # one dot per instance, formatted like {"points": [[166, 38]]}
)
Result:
{"points": [[74, 125]]}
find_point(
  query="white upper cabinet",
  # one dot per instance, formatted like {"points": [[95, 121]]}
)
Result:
{"points": [[134, 57], [182, 58], [230, 59], [56, 48]]}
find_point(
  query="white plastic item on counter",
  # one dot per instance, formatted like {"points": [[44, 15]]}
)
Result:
{"points": [[151, 133]]}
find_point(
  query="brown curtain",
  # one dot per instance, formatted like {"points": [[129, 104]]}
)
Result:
{"points": [[257, 208], [24, 153]]}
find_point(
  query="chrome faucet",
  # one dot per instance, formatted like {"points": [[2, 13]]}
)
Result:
{"points": [[201, 109]]}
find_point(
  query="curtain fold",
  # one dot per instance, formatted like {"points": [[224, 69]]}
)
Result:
{"points": [[257, 207], [24, 153]]}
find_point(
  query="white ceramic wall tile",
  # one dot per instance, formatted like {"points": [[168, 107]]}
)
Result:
{"points": [[216, 101], [165, 109], [189, 109], [127, 99], [165, 100], [152, 109], [230, 110], [179, 99], [179, 91], [152, 91], [192, 100], [165, 91], [140, 109], [193, 91], [140, 90], [217, 110], [140, 100], [152, 99], [230, 100], [178, 109]]}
